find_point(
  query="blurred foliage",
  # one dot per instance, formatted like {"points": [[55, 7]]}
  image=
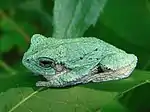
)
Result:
{"points": [[125, 24]]}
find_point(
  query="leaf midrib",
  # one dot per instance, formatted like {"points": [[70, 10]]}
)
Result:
{"points": [[25, 99]]}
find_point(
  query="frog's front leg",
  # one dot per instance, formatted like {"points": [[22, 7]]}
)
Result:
{"points": [[66, 79]]}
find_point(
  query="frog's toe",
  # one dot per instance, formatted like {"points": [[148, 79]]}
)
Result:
{"points": [[42, 84]]}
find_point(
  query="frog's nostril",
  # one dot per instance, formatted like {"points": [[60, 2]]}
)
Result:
{"points": [[28, 60]]}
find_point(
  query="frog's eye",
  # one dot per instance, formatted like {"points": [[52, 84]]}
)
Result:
{"points": [[46, 62]]}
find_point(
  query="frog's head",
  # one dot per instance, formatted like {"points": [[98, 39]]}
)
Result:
{"points": [[40, 58]]}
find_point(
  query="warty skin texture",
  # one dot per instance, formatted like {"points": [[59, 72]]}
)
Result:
{"points": [[65, 62]]}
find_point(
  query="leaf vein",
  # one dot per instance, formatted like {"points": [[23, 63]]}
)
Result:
{"points": [[25, 99]]}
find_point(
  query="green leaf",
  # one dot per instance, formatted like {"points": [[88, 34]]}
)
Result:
{"points": [[73, 17], [7, 4], [14, 34], [36, 5], [129, 19], [114, 106], [5, 25], [148, 4], [137, 99], [12, 39], [19, 93], [6, 43]]}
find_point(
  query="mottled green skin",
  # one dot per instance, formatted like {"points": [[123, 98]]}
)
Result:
{"points": [[80, 56]]}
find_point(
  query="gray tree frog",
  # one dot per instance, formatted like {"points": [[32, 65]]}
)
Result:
{"points": [[65, 62]]}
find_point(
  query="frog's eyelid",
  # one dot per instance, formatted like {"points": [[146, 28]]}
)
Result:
{"points": [[46, 59]]}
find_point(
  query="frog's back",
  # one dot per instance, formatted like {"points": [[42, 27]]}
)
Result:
{"points": [[89, 44], [79, 47]]}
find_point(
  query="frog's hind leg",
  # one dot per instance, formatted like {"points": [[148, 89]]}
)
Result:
{"points": [[105, 76], [112, 67]]}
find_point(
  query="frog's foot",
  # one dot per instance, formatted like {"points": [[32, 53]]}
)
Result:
{"points": [[52, 83], [42, 83]]}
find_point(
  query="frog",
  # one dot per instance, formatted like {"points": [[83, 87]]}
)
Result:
{"points": [[72, 61]]}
